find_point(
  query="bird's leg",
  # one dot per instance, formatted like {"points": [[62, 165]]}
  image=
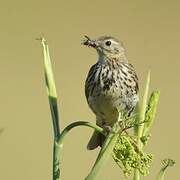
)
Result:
{"points": [[107, 129]]}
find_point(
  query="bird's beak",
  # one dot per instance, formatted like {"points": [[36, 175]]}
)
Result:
{"points": [[90, 42]]}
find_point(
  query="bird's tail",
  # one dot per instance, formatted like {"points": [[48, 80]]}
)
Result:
{"points": [[96, 140]]}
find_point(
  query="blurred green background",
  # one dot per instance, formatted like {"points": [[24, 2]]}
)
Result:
{"points": [[150, 31]]}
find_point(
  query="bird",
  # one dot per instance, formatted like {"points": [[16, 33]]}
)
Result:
{"points": [[111, 85]]}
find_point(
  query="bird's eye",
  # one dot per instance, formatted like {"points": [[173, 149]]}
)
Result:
{"points": [[108, 43]]}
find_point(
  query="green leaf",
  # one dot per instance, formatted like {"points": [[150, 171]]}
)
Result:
{"points": [[151, 111], [51, 87], [52, 95]]}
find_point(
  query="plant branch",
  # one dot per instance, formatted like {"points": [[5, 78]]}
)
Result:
{"points": [[51, 88], [59, 144], [166, 163], [75, 124], [52, 95], [141, 118], [105, 151]]}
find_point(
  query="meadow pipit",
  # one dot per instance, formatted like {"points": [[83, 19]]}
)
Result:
{"points": [[111, 85]]}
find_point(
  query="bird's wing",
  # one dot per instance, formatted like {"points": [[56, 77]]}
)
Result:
{"points": [[90, 80]]}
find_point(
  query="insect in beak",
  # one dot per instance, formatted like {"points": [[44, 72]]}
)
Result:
{"points": [[89, 42]]}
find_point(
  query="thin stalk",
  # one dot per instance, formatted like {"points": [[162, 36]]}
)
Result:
{"points": [[75, 124], [59, 145], [165, 164], [52, 95], [161, 174], [140, 118], [136, 175], [51, 88], [56, 161], [105, 151], [142, 111]]}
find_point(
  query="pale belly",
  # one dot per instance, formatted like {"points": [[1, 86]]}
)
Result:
{"points": [[107, 107]]}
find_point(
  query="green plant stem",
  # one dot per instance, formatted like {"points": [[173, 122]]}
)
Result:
{"points": [[142, 112], [161, 174], [58, 145], [105, 151], [75, 124], [52, 95], [165, 164], [51, 88], [140, 118], [56, 161]]}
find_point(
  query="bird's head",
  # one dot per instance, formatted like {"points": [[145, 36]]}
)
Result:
{"points": [[106, 46]]}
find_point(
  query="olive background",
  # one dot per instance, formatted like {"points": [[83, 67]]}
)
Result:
{"points": [[150, 31]]}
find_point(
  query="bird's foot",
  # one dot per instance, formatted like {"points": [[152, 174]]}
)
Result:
{"points": [[107, 129]]}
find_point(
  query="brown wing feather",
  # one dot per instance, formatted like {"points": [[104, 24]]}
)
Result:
{"points": [[89, 80]]}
